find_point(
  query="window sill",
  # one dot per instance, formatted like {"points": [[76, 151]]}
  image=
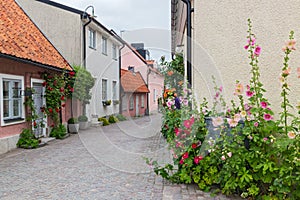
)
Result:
{"points": [[92, 48], [13, 121], [104, 54]]}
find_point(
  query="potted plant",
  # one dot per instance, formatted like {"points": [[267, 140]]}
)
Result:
{"points": [[106, 103], [73, 125], [83, 122]]}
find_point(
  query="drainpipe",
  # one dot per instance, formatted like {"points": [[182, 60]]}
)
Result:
{"points": [[189, 43], [84, 37]]}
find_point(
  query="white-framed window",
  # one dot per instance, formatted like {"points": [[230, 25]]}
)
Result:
{"points": [[142, 101], [131, 102], [114, 90], [92, 38], [104, 89], [114, 51], [12, 108], [104, 45]]}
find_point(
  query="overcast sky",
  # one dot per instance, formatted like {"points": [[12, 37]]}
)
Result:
{"points": [[145, 21]]}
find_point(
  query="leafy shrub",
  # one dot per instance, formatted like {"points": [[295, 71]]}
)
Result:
{"points": [[112, 119], [27, 140], [82, 118], [121, 117], [58, 132], [73, 120], [104, 120]]}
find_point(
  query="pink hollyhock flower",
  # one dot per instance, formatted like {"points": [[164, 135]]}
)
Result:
{"points": [[185, 102], [177, 131], [223, 158], [265, 139], [250, 137], [247, 107], [188, 123], [291, 135], [253, 41], [181, 161], [185, 155], [264, 104], [178, 144], [256, 124], [170, 104], [257, 50], [217, 121], [298, 71], [194, 146], [237, 117], [229, 154], [287, 71], [232, 123], [246, 46], [249, 93], [291, 44], [221, 89], [239, 88], [267, 117], [217, 94]]}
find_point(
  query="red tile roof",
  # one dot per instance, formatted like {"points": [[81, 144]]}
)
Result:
{"points": [[20, 37], [133, 82]]}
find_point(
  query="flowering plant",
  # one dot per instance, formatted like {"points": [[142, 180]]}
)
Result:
{"points": [[254, 155]]}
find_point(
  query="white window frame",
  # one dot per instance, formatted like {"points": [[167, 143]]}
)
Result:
{"points": [[131, 103], [92, 38], [124, 103], [104, 45], [114, 90], [142, 101], [104, 97], [114, 51], [22, 107]]}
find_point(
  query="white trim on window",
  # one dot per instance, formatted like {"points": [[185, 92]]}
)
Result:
{"points": [[92, 38], [104, 45], [114, 90], [131, 103], [114, 52], [142, 101], [21, 117], [104, 91]]}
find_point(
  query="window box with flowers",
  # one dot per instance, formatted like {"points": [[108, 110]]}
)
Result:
{"points": [[106, 103]]}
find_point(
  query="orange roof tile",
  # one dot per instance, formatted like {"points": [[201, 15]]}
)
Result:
{"points": [[133, 82], [20, 37]]}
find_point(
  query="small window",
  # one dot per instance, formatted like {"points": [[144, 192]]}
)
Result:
{"points": [[104, 90], [92, 39], [114, 51], [104, 45], [154, 95], [114, 91], [131, 103], [12, 100], [142, 101], [124, 103]]}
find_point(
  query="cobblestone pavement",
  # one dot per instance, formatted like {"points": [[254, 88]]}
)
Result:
{"points": [[98, 163]]}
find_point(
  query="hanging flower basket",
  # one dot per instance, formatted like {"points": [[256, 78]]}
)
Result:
{"points": [[106, 103]]}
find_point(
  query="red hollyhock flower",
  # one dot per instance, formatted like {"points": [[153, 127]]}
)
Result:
{"points": [[62, 98], [57, 110], [61, 89], [63, 105], [44, 83], [194, 145], [50, 110], [181, 161], [42, 109], [34, 123], [197, 159], [185, 155], [72, 89]]}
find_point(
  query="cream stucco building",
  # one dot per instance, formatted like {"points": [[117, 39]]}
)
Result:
{"points": [[219, 31]]}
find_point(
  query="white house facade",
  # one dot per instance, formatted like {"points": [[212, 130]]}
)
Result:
{"points": [[84, 41]]}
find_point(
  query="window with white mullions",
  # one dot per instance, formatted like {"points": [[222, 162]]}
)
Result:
{"points": [[104, 45], [104, 90], [92, 38], [12, 100]]}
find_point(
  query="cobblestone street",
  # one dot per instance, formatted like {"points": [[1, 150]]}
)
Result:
{"points": [[98, 163]]}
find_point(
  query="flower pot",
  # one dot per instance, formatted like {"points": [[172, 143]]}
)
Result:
{"points": [[83, 125], [73, 128]]}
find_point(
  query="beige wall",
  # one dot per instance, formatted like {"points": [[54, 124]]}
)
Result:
{"points": [[219, 35], [55, 24]]}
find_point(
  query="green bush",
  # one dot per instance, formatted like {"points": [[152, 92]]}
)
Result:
{"points": [[112, 119], [82, 118], [73, 120], [121, 117], [104, 120], [58, 132], [27, 140]]}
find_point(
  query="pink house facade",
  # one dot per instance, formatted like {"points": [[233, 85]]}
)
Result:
{"points": [[131, 59]]}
